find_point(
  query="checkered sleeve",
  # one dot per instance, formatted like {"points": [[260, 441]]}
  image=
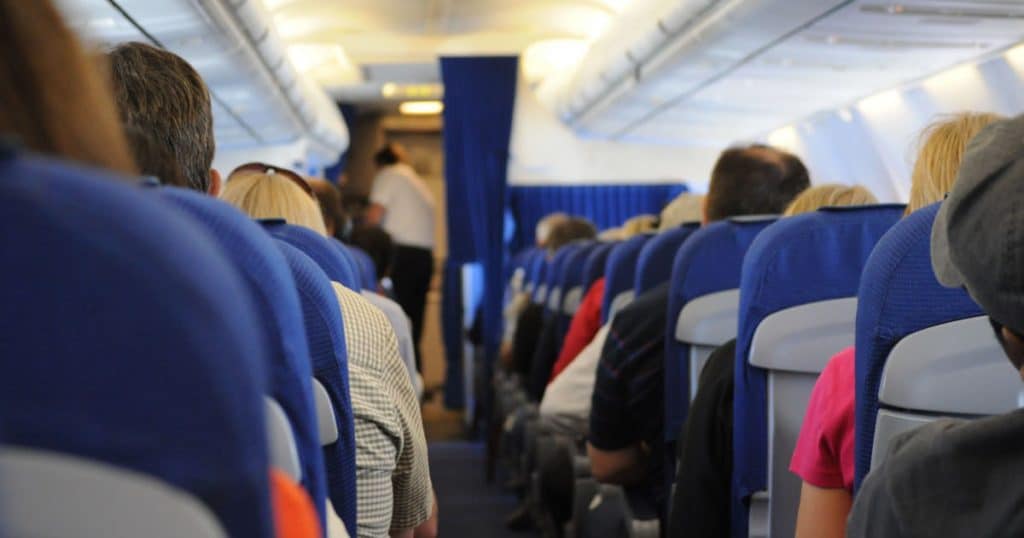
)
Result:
{"points": [[391, 427]]}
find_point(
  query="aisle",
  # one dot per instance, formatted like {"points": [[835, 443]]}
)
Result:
{"points": [[469, 507]]}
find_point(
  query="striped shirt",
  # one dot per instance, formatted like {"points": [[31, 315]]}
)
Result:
{"points": [[392, 472]]}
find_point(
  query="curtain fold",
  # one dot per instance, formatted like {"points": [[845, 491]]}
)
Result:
{"points": [[605, 205], [479, 100]]}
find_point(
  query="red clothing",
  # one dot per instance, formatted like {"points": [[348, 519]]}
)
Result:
{"points": [[585, 324], [824, 451]]}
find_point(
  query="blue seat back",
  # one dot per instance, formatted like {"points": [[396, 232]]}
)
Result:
{"points": [[326, 338], [593, 267], [898, 296], [128, 338], [556, 276], [270, 283], [572, 285], [804, 259], [367, 269], [535, 270], [619, 272], [709, 261], [654, 265], [332, 257]]}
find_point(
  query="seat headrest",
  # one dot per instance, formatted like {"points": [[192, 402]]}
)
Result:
{"points": [[620, 270], [332, 259], [593, 266], [134, 336], [803, 259], [654, 264], [366, 268], [898, 296]]}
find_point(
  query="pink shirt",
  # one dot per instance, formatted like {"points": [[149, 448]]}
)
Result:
{"points": [[824, 451]]}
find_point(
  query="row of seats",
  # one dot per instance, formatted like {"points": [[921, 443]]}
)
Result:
{"points": [[793, 292], [166, 350]]}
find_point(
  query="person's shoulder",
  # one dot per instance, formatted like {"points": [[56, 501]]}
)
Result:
{"points": [[645, 307]]}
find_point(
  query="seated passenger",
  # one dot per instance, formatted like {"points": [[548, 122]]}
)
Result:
{"points": [[521, 300], [392, 473], [626, 417], [823, 458], [335, 224], [192, 134], [587, 320], [701, 503], [960, 478]]}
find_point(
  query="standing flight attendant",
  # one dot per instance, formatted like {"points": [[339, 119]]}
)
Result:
{"points": [[401, 203]]}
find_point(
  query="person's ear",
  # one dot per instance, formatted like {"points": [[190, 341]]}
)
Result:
{"points": [[1013, 345], [214, 189]]}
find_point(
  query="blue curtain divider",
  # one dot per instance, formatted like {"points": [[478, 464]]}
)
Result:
{"points": [[478, 103], [606, 205]]}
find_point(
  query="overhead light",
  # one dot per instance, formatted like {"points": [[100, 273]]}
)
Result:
{"points": [[421, 108], [389, 90], [1015, 57]]}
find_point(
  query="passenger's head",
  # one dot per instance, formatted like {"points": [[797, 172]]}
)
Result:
{"points": [[546, 224], [639, 224], [977, 241], [942, 146], [684, 208], [330, 206], [569, 230], [54, 99], [391, 153], [155, 159], [267, 192], [378, 244], [831, 195], [753, 180], [160, 94]]}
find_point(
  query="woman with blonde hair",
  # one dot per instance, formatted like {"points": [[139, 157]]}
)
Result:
{"points": [[265, 191], [823, 457], [941, 150], [830, 195], [394, 494]]}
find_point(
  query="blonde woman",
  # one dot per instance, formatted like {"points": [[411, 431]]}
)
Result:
{"points": [[395, 496], [823, 458], [265, 191], [830, 195], [938, 159]]}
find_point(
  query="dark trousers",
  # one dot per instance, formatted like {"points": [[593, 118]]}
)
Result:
{"points": [[411, 274]]}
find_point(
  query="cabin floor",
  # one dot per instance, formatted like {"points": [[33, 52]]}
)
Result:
{"points": [[469, 506]]}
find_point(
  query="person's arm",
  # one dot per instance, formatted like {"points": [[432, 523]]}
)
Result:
{"points": [[822, 512], [625, 467], [428, 529], [374, 214]]}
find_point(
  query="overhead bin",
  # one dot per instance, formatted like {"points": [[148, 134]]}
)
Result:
{"points": [[259, 98]]}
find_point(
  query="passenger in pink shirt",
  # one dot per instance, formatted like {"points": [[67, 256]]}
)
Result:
{"points": [[823, 457]]}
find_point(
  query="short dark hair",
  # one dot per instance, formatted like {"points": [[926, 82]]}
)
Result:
{"points": [[330, 205], [569, 230], [387, 155], [378, 244], [160, 94], [754, 180], [154, 159]]}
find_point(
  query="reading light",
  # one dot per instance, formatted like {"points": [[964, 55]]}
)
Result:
{"points": [[421, 108], [389, 89]]}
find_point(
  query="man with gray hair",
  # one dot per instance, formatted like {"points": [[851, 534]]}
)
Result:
{"points": [[159, 94], [954, 477]]}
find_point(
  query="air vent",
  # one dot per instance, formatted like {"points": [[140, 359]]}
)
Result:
{"points": [[894, 43], [958, 12]]}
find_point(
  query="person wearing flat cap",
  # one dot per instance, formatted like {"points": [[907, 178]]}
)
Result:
{"points": [[964, 478]]}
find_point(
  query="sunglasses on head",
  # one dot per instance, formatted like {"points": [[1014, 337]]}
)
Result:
{"points": [[264, 168]]}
